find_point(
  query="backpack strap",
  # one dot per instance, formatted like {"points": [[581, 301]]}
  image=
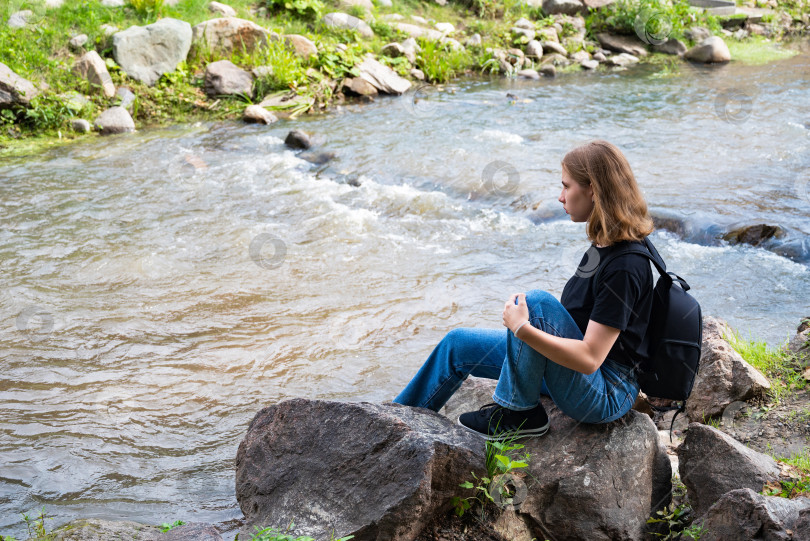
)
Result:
{"points": [[678, 410], [652, 254]]}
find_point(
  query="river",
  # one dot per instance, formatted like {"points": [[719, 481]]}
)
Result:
{"points": [[161, 287]]}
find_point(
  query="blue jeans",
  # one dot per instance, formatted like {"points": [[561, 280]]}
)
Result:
{"points": [[523, 373]]}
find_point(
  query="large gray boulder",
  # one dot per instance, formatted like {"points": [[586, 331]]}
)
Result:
{"points": [[224, 78], [416, 31], [147, 52], [711, 49], [723, 375], [567, 7], [622, 44], [671, 46], [585, 481], [375, 471], [114, 120], [256, 114], [14, 90], [338, 19], [225, 35], [91, 67], [381, 76], [744, 514], [301, 45], [711, 463], [20, 19]]}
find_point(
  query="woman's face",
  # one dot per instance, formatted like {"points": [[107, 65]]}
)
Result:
{"points": [[577, 201]]}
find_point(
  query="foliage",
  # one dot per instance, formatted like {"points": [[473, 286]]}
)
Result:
{"points": [[494, 9], [798, 484], [274, 534], [500, 466], [339, 64], [780, 366], [657, 19], [286, 72], [386, 32], [440, 62], [36, 526], [788, 488], [165, 527], [676, 517], [147, 8], [310, 10]]}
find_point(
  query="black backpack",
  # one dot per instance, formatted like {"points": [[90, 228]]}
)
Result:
{"points": [[667, 360]]}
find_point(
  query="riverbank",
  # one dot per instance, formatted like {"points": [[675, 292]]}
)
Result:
{"points": [[771, 423], [68, 54]]}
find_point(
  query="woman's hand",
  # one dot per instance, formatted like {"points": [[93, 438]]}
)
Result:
{"points": [[515, 314]]}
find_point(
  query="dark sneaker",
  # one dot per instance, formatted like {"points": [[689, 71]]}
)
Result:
{"points": [[494, 422]]}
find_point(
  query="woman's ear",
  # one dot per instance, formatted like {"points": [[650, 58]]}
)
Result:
{"points": [[589, 192]]}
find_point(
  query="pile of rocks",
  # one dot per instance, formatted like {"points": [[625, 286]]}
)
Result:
{"points": [[389, 471], [145, 53]]}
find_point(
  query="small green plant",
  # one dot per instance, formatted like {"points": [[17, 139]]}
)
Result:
{"points": [[676, 518], [274, 534], [36, 526], [310, 10], [440, 62], [286, 69], [788, 488], [712, 421], [165, 527], [147, 8], [357, 10], [500, 465]]}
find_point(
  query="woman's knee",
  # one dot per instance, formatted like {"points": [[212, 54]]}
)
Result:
{"points": [[537, 298]]}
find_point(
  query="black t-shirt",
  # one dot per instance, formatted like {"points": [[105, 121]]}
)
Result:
{"points": [[624, 300]]}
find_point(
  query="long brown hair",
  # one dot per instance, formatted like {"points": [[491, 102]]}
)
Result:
{"points": [[620, 211]]}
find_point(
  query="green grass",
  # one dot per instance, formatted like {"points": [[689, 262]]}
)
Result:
{"points": [[782, 368], [756, 50], [440, 62], [661, 19]]}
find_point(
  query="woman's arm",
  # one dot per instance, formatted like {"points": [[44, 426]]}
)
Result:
{"points": [[585, 355]]}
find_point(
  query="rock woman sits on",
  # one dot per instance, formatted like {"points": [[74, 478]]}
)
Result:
{"points": [[574, 350]]}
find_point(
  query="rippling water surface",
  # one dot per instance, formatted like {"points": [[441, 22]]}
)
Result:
{"points": [[159, 288]]}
